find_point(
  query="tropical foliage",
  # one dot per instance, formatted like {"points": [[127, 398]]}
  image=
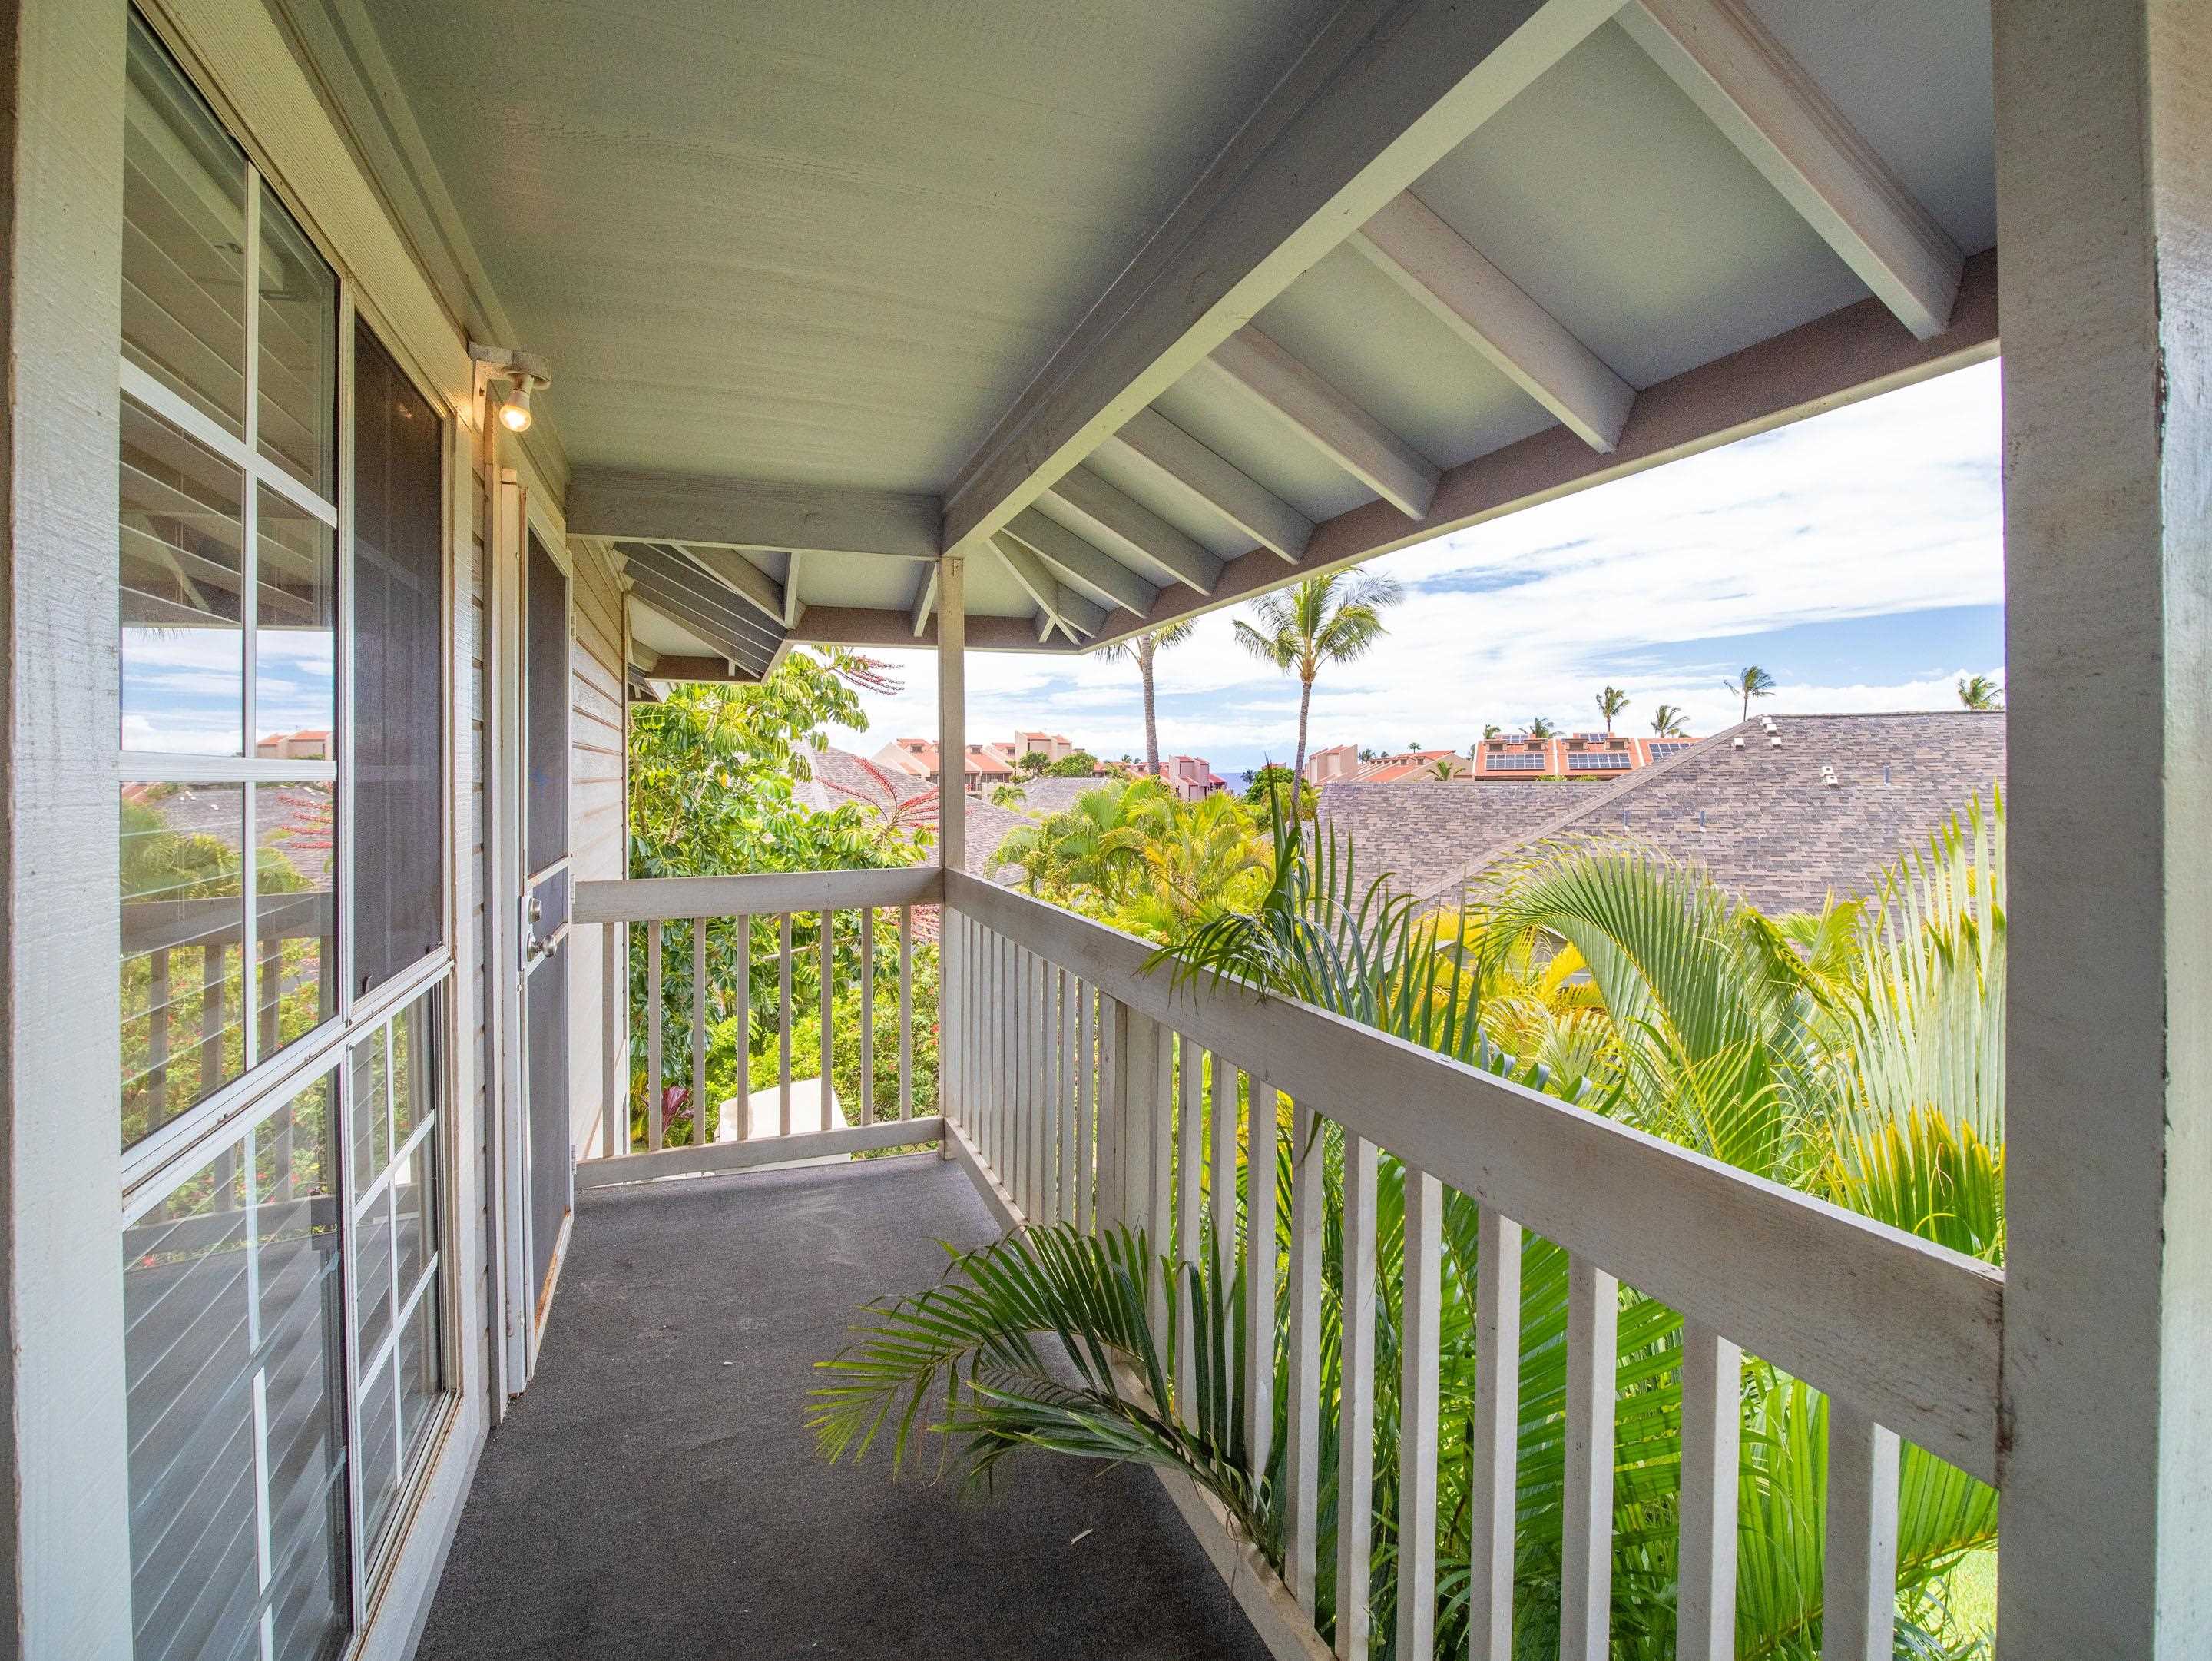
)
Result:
{"points": [[1667, 721], [1855, 1055], [1144, 651], [713, 777], [1751, 682], [1333, 618], [1133, 854], [1980, 692]]}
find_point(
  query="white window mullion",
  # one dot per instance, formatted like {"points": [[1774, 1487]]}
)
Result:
{"points": [[342, 738]]}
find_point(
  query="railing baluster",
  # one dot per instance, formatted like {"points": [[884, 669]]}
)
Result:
{"points": [[1586, 1545], [1261, 1139], [1859, 1573], [828, 969], [1086, 1081], [1155, 1156], [1070, 1061], [1494, 1438], [1052, 1064], [783, 1024], [614, 1057], [654, 1129], [1302, 1463], [906, 1012], [867, 1014], [1417, 1416], [1190, 1115], [743, 1014], [1116, 1209], [1002, 954], [1024, 1095], [211, 1014], [1712, 1436], [1355, 1456], [270, 990], [157, 1035], [1223, 1176], [702, 1111]]}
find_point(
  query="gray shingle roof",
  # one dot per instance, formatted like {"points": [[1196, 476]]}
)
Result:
{"points": [[1425, 832], [1762, 819]]}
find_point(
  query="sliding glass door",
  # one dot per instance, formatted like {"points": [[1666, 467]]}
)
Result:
{"points": [[285, 953]]}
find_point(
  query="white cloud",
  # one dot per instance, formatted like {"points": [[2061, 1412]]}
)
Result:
{"points": [[1886, 507]]}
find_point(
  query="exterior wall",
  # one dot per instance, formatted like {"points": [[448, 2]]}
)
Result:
{"points": [[597, 822]]}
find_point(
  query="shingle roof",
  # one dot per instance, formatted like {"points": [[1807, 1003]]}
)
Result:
{"points": [[1424, 833], [1762, 821], [1042, 796]]}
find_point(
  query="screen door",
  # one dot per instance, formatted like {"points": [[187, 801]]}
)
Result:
{"points": [[543, 933]]}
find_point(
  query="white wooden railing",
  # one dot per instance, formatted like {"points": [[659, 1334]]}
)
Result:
{"points": [[698, 906], [1074, 1085]]}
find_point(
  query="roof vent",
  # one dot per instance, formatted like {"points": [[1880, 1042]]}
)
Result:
{"points": [[1701, 818], [1775, 740], [1828, 776], [1884, 776], [1739, 741]]}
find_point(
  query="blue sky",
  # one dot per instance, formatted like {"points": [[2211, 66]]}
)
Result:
{"points": [[1857, 556]]}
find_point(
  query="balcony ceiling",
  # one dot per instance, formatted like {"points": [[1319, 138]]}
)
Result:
{"points": [[1146, 307]]}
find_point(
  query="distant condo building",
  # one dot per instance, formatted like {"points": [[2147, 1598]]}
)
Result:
{"points": [[1509, 755]]}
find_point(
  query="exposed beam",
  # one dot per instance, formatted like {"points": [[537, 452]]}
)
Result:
{"points": [[1387, 89], [793, 607], [678, 610], [1484, 308], [1309, 406], [1106, 579], [925, 597], [1078, 617], [732, 570], [1854, 353], [707, 669], [1120, 517], [688, 596], [1169, 453], [859, 625], [668, 570], [736, 513], [1724, 57]]}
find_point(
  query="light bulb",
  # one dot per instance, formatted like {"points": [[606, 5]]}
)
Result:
{"points": [[515, 413]]}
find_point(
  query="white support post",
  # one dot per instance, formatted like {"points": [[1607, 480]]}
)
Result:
{"points": [[956, 1056], [2104, 194], [953, 713], [64, 1531]]}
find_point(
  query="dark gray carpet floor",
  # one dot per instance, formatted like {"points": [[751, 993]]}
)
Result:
{"points": [[655, 1494]]}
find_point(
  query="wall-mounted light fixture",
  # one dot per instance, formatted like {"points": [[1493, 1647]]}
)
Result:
{"points": [[524, 373]]}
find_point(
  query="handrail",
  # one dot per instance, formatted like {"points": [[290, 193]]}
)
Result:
{"points": [[669, 899], [1908, 1330]]}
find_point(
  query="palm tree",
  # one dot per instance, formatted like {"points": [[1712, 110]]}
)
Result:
{"points": [[1979, 692], [1491, 729], [1335, 618], [1752, 682], [1144, 648], [1541, 727], [1610, 702], [1668, 721], [1442, 768]]}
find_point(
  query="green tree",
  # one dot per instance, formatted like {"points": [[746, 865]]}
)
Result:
{"points": [[1441, 768], [1087, 854], [1751, 682], [1144, 651], [1667, 721], [1979, 692], [1334, 618], [1610, 702], [1008, 796], [1270, 782], [1075, 764], [712, 777]]}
